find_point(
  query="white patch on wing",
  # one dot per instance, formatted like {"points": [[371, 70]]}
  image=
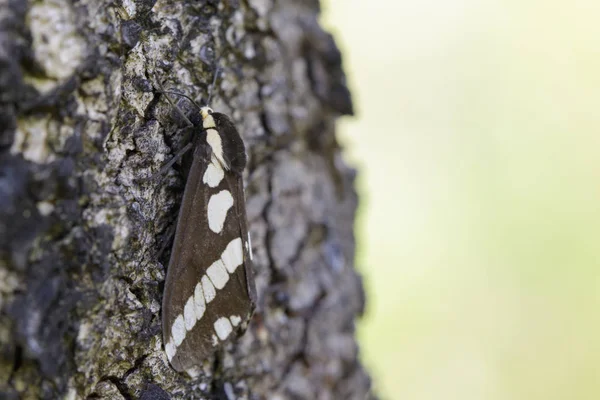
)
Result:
{"points": [[170, 349], [189, 314], [235, 320], [218, 274], [199, 304], [218, 205], [215, 340], [208, 289], [178, 330], [223, 328], [214, 141], [233, 255], [213, 175]]}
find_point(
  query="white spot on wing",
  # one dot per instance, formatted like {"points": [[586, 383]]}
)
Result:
{"points": [[235, 320], [208, 289], [178, 330], [215, 340], [218, 274], [233, 255], [214, 141], [189, 314], [170, 349], [199, 304], [213, 175], [218, 205], [223, 328]]}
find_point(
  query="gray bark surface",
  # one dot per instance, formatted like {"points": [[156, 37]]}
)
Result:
{"points": [[83, 129]]}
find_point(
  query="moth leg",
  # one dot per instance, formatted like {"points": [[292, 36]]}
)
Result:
{"points": [[172, 161]]}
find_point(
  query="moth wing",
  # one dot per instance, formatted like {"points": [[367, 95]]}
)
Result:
{"points": [[205, 299], [237, 185], [234, 150]]}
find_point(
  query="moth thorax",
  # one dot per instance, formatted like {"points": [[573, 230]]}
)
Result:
{"points": [[207, 119]]}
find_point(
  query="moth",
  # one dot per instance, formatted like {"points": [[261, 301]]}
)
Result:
{"points": [[209, 293]]}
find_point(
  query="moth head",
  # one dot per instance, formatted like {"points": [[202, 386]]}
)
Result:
{"points": [[207, 119], [205, 111]]}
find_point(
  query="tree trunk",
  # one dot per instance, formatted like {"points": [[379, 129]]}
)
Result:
{"points": [[83, 130]]}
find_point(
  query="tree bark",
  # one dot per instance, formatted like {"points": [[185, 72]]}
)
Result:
{"points": [[83, 130]]}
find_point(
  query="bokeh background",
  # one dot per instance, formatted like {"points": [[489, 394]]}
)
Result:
{"points": [[477, 141]]}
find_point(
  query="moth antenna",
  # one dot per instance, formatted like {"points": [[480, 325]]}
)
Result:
{"points": [[182, 95], [163, 91], [212, 85]]}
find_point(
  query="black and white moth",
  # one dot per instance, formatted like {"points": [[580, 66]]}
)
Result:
{"points": [[209, 290]]}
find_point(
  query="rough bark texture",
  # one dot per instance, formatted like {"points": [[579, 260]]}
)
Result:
{"points": [[83, 128]]}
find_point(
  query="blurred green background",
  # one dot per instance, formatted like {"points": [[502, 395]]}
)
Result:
{"points": [[477, 140]]}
